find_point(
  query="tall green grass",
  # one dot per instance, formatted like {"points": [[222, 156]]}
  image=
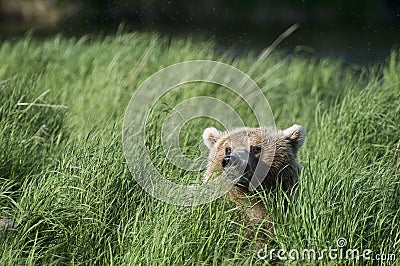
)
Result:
{"points": [[64, 179]]}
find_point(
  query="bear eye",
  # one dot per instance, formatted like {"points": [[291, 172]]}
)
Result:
{"points": [[228, 151], [255, 149]]}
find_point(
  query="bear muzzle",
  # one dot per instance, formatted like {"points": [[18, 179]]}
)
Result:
{"points": [[237, 164]]}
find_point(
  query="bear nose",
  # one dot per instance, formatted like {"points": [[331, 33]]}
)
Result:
{"points": [[230, 160], [225, 161]]}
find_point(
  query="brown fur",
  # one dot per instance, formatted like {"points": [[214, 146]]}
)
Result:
{"points": [[276, 163]]}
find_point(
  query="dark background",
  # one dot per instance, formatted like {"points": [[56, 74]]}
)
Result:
{"points": [[359, 31]]}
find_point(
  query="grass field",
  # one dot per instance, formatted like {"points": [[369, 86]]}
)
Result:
{"points": [[64, 179]]}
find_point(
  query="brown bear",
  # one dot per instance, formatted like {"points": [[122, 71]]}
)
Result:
{"points": [[258, 159]]}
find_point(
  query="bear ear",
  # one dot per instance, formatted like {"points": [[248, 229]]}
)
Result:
{"points": [[295, 135], [210, 136]]}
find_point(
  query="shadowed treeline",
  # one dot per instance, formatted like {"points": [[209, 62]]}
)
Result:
{"points": [[359, 31], [254, 13]]}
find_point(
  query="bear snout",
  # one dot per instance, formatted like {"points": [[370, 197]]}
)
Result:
{"points": [[237, 164], [238, 157], [225, 161], [232, 160]]}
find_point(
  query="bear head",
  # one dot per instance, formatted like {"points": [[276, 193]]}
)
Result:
{"points": [[255, 156]]}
